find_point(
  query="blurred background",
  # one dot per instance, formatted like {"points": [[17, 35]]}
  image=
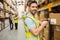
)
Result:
{"points": [[47, 10]]}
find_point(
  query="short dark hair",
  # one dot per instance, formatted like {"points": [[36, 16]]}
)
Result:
{"points": [[29, 3]]}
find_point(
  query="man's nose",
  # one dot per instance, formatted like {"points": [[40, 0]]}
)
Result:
{"points": [[35, 8]]}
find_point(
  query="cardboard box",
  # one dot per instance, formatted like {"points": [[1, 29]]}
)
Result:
{"points": [[45, 38], [42, 17], [2, 25], [54, 19], [46, 33], [57, 33], [41, 33]]}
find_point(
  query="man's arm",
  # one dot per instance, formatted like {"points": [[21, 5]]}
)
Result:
{"points": [[32, 26], [36, 31]]}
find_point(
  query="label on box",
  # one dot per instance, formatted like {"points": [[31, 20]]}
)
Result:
{"points": [[58, 28], [53, 21]]}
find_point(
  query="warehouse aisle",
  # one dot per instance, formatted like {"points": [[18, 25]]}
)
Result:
{"points": [[21, 30], [8, 34]]}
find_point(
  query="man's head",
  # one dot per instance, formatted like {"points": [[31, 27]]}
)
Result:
{"points": [[33, 7], [10, 14]]}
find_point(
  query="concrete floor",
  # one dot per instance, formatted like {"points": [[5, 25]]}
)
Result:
{"points": [[8, 34]]}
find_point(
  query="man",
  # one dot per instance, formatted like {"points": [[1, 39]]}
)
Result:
{"points": [[32, 26], [16, 21], [11, 21]]}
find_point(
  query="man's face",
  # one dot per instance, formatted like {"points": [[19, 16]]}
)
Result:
{"points": [[33, 8]]}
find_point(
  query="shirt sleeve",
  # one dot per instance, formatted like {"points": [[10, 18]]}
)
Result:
{"points": [[30, 23]]}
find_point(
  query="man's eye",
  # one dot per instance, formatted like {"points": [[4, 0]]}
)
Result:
{"points": [[34, 6]]}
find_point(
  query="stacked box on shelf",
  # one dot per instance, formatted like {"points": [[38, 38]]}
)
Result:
{"points": [[46, 32], [54, 18], [41, 19], [41, 34], [55, 22], [57, 33], [2, 25], [45, 38], [2, 16]]}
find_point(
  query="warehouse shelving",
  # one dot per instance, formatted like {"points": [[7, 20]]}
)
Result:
{"points": [[7, 7], [46, 34], [50, 5]]}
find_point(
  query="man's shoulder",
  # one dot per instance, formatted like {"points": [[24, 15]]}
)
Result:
{"points": [[29, 19]]}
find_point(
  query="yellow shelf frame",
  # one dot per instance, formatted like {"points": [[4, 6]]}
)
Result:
{"points": [[50, 5]]}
